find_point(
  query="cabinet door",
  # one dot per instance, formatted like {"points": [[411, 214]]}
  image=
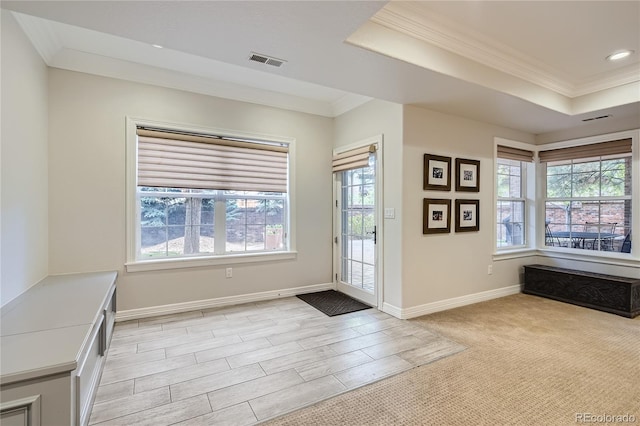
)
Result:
{"points": [[109, 320], [21, 412]]}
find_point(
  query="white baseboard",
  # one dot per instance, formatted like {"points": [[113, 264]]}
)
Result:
{"points": [[153, 311], [392, 310], [443, 305]]}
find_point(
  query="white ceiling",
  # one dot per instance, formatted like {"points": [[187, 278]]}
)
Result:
{"points": [[535, 66]]}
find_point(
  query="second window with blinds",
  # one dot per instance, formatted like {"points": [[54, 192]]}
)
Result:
{"points": [[511, 196], [209, 195]]}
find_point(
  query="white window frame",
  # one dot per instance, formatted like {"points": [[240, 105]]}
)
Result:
{"points": [[623, 259], [528, 195], [133, 210], [521, 199]]}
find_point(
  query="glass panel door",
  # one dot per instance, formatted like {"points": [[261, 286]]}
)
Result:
{"points": [[357, 233]]}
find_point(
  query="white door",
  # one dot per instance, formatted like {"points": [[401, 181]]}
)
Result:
{"points": [[356, 234]]}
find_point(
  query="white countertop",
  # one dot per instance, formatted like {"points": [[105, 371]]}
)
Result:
{"points": [[45, 329]]}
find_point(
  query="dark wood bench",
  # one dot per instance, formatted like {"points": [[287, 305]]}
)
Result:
{"points": [[608, 293]]}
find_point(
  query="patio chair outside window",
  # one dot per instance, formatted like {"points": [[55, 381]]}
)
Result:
{"points": [[600, 228], [626, 244], [514, 231]]}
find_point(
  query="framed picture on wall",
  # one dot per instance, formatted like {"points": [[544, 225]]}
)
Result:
{"points": [[437, 173], [467, 175], [436, 216], [467, 215]]}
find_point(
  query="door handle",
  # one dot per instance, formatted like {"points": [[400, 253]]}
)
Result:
{"points": [[375, 234]]}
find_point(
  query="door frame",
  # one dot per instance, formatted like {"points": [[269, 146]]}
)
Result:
{"points": [[378, 140]]}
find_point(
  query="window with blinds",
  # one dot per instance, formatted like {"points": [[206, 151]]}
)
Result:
{"points": [[202, 194], [511, 172], [588, 196]]}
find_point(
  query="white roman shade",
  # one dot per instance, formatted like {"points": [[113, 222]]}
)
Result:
{"points": [[517, 154], [619, 147], [353, 159], [174, 160]]}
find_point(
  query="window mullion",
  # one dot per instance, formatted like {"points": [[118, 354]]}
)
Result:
{"points": [[219, 226], [166, 230]]}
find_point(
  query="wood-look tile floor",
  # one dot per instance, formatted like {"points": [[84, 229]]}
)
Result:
{"points": [[243, 364]]}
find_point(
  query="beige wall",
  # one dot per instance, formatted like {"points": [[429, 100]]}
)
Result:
{"points": [[374, 118], [23, 193], [87, 187], [437, 267]]}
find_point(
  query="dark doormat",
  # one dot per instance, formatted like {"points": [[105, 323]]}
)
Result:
{"points": [[332, 302]]}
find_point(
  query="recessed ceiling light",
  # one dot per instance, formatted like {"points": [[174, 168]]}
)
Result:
{"points": [[619, 55], [157, 46]]}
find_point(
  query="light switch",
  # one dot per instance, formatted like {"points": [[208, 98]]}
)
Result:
{"points": [[390, 213]]}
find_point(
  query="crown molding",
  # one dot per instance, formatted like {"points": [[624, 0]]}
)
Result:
{"points": [[42, 36], [609, 80], [443, 33]]}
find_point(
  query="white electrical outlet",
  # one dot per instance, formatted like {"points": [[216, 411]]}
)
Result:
{"points": [[229, 272], [490, 269]]}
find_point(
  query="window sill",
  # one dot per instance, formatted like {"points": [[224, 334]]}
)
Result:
{"points": [[195, 262], [607, 258], [514, 253]]}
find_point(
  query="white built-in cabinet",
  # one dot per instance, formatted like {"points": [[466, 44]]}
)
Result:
{"points": [[53, 339]]}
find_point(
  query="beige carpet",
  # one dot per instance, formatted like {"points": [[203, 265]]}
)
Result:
{"points": [[530, 361]]}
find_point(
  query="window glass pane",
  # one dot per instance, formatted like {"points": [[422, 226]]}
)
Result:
{"points": [[509, 179], [355, 224], [586, 183], [592, 225], [558, 185], [614, 178], [153, 241], [368, 195], [162, 226], [510, 229], [207, 239], [366, 174], [503, 169], [557, 214], [515, 186], [256, 237], [356, 195], [503, 185], [255, 225], [558, 167], [176, 226], [275, 212]]}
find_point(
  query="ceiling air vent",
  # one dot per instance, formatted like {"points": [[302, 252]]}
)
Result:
{"points": [[597, 118], [264, 59]]}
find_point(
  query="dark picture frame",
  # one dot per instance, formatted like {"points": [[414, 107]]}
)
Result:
{"points": [[467, 175], [467, 215], [437, 173], [436, 216]]}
